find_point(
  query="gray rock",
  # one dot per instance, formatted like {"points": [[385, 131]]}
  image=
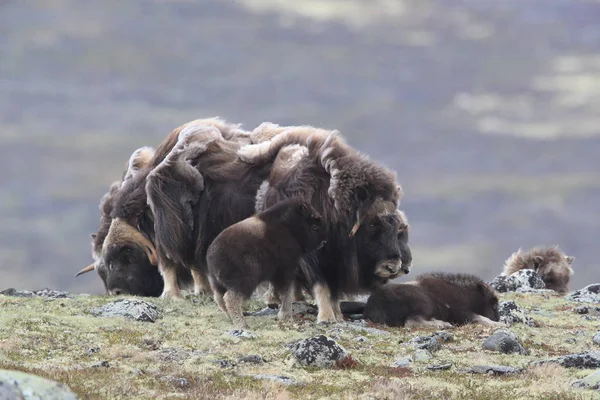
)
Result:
{"points": [[440, 367], [47, 293], [402, 362], [179, 382], [584, 310], [589, 294], [360, 339], [304, 308], [430, 343], [510, 312], [242, 334], [138, 310], [591, 381], [443, 336], [26, 386], [104, 364], [277, 378], [590, 359], [224, 363], [495, 370], [535, 291], [252, 359], [523, 280], [173, 355], [571, 340], [596, 339], [505, 342], [265, 312], [320, 351], [93, 350], [422, 355]]}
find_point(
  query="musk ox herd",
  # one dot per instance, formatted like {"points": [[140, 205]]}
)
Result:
{"points": [[225, 211]]}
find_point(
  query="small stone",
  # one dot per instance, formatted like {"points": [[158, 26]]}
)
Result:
{"points": [[402, 362], [224, 363], [589, 294], [440, 367], [443, 336], [179, 382], [359, 326], [320, 351], [242, 333], [505, 342], [590, 359], [93, 350], [422, 355], [591, 381], [426, 342], [361, 339], [277, 378], [495, 370], [138, 310], [104, 364], [252, 359], [571, 340], [596, 339], [354, 317], [267, 311]]}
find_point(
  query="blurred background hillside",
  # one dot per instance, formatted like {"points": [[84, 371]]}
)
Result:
{"points": [[488, 111]]}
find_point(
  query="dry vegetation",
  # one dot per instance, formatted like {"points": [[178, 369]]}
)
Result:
{"points": [[61, 340]]}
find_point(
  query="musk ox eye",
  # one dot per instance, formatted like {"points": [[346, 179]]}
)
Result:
{"points": [[315, 227]]}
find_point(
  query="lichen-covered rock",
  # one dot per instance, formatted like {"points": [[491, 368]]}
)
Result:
{"points": [[47, 293], [320, 351], [589, 294], [443, 336], [523, 280], [511, 313], [587, 310], [138, 310], [265, 312], [591, 381], [242, 334], [590, 359], [596, 339], [176, 381], [504, 341], [440, 367], [430, 343], [252, 359], [21, 385], [402, 362], [495, 370], [422, 355]]}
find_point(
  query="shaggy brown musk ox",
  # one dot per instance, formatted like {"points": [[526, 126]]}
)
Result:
{"points": [[203, 187], [435, 299], [358, 201], [550, 263], [132, 226], [265, 247]]}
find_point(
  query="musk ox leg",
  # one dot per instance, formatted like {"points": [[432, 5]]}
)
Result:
{"points": [[271, 297], [233, 303], [218, 294], [287, 296], [171, 285], [201, 284], [418, 322], [337, 311], [323, 299], [480, 319], [298, 293]]}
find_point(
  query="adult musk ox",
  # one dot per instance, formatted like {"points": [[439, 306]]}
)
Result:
{"points": [[551, 264], [436, 299], [264, 247], [367, 242], [128, 223], [201, 188]]}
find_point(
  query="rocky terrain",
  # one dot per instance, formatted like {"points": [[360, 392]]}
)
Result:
{"points": [[98, 347]]}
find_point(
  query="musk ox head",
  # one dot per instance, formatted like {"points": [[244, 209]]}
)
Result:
{"points": [[550, 263], [313, 230]]}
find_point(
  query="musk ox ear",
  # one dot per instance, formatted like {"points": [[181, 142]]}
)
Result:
{"points": [[85, 270], [138, 160], [570, 260]]}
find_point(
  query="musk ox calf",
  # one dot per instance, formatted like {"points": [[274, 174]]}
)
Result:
{"points": [[266, 247], [551, 264], [436, 299]]}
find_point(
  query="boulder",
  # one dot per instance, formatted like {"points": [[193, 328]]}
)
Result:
{"points": [[319, 351], [137, 310], [586, 360], [589, 294], [21, 385], [523, 280], [505, 342]]}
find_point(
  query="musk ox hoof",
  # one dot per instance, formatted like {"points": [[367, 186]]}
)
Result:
{"points": [[171, 295], [288, 316], [326, 317]]}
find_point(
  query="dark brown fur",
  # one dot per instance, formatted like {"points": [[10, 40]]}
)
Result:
{"points": [[551, 264], [265, 247], [456, 299]]}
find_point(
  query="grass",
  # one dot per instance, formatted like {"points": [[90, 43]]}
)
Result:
{"points": [[60, 339]]}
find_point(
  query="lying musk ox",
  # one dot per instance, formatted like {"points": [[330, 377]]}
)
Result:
{"points": [[439, 300], [551, 264], [264, 247], [201, 188], [367, 242], [127, 225]]}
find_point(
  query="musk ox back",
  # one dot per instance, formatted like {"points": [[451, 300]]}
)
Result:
{"points": [[550, 263], [358, 200], [435, 299], [266, 247]]}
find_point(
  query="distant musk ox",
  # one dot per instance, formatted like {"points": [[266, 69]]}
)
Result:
{"points": [[435, 299], [551, 264], [264, 247], [201, 188], [127, 223], [367, 242]]}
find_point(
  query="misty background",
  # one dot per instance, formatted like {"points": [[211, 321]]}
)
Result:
{"points": [[489, 112]]}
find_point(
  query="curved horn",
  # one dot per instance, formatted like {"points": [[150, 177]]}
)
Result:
{"points": [[121, 232], [87, 269], [356, 225]]}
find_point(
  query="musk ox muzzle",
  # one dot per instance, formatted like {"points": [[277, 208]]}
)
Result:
{"points": [[388, 269]]}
